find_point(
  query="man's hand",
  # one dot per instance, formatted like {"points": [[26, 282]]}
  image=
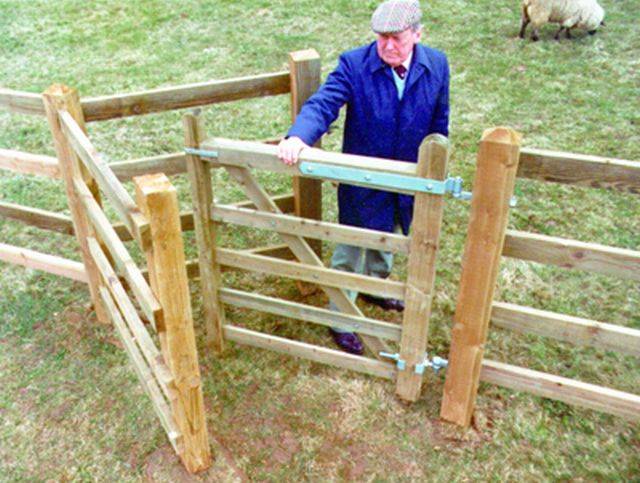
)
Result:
{"points": [[289, 150]]}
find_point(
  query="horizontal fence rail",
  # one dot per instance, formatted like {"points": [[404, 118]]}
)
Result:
{"points": [[580, 170], [43, 219], [21, 102], [573, 254], [309, 313], [44, 262], [562, 389], [308, 228], [574, 330], [311, 352], [27, 163], [180, 97]]}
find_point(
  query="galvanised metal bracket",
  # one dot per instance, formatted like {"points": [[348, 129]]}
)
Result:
{"points": [[436, 364], [400, 364], [201, 152], [385, 180]]}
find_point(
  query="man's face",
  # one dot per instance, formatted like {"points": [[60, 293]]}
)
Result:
{"points": [[394, 48]]}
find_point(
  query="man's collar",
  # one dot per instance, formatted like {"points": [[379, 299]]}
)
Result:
{"points": [[419, 56]]}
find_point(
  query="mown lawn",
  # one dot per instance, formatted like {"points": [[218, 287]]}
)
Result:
{"points": [[70, 406]]}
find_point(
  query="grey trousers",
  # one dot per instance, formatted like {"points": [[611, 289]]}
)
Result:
{"points": [[365, 261]]}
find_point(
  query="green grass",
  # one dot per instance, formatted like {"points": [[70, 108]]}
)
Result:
{"points": [[71, 408]]}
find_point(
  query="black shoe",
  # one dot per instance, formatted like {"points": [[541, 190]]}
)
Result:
{"points": [[348, 341], [384, 303]]}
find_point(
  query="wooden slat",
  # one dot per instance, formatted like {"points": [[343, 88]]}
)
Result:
{"points": [[421, 272], [311, 273], [202, 199], [149, 384], [562, 389], [158, 201], [28, 163], [310, 352], [189, 95], [308, 313], [580, 169], [493, 185], [169, 164], [281, 250], [285, 203], [46, 220], [574, 330], [42, 261], [294, 225], [305, 72], [21, 102], [116, 193], [121, 258], [153, 357], [573, 254], [256, 155]]}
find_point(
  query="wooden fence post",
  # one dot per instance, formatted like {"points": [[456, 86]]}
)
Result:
{"points": [[304, 68], [202, 195], [497, 165], [59, 97], [158, 201], [425, 237]]}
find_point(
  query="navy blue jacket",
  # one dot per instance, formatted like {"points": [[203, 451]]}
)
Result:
{"points": [[378, 124]]}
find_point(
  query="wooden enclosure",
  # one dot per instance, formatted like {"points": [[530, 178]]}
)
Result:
{"points": [[488, 240]]}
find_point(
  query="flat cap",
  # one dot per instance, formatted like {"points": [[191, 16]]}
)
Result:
{"points": [[396, 16]]}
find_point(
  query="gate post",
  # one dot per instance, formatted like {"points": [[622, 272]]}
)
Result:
{"points": [[304, 68], [497, 165], [425, 237], [56, 98], [158, 201], [202, 196]]}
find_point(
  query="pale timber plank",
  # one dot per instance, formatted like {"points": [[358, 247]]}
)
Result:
{"points": [[573, 254], [123, 261], [566, 328], [580, 169], [28, 163], [143, 339], [497, 164], [310, 352], [188, 95], [21, 102], [255, 155], [311, 273], [578, 393], [158, 200], [169, 164], [149, 384], [302, 251], [421, 272], [309, 313], [57, 98], [294, 225], [122, 202], [202, 199], [46, 220], [42, 261]]}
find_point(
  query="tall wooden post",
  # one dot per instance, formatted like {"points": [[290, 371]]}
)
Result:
{"points": [[425, 238], [158, 201], [304, 68], [202, 195], [59, 97], [497, 165]]}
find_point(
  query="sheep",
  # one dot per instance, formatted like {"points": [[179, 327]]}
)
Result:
{"points": [[584, 14]]}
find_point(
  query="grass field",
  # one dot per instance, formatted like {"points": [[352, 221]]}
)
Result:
{"points": [[70, 405]]}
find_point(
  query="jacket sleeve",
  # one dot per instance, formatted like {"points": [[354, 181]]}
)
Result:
{"points": [[323, 107], [440, 118]]}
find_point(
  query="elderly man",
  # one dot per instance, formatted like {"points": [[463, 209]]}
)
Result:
{"points": [[397, 92]]}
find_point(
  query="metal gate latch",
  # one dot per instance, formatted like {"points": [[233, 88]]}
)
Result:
{"points": [[400, 364], [436, 364]]}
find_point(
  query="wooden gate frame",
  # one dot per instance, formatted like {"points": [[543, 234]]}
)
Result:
{"points": [[488, 240], [236, 157]]}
